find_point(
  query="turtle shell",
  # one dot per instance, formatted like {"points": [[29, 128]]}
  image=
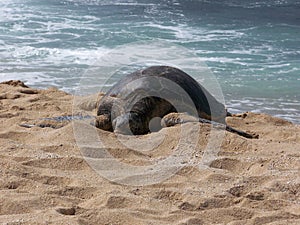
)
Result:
{"points": [[157, 91]]}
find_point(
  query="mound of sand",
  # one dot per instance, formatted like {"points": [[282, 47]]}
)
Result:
{"points": [[45, 178]]}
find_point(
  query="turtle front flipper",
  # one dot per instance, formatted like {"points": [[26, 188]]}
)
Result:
{"points": [[55, 122], [52, 123]]}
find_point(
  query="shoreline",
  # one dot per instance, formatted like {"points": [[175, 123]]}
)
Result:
{"points": [[231, 105], [45, 177]]}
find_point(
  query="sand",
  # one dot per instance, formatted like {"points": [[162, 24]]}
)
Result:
{"points": [[45, 177]]}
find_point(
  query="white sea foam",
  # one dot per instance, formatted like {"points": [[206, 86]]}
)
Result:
{"points": [[56, 56], [54, 45], [186, 33], [283, 108], [30, 78]]}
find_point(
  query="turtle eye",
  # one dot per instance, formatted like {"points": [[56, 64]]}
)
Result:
{"points": [[178, 120]]}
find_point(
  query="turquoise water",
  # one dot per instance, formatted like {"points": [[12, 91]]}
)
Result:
{"points": [[252, 47]]}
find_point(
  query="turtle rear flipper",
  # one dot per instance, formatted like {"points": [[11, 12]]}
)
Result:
{"points": [[241, 133], [172, 119]]}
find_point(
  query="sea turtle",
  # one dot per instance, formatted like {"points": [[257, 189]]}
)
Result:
{"points": [[156, 97], [148, 100]]}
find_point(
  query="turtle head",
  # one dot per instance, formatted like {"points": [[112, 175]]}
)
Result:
{"points": [[104, 122], [129, 123]]}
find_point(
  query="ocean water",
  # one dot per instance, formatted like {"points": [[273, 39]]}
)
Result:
{"points": [[252, 47]]}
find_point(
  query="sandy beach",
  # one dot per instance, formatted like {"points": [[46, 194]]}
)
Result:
{"points": [[45, 179]]}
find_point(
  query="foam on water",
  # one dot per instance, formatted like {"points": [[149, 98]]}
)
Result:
{"points": [[288, 110], [52, 43]]}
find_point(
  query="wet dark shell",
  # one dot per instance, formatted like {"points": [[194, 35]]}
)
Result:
{"points": [[157, 91]]}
